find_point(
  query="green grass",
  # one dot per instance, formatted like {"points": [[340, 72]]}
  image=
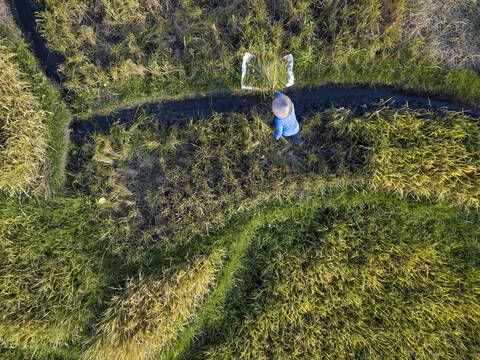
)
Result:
{"points": [[54, 271], [56, 117], [118, 51]]}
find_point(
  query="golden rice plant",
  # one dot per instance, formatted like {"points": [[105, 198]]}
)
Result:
{"points": [[22, 142], [418, 152], [151, 311]]}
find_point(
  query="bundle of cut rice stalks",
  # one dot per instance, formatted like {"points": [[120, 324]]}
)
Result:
{"points": [[267, 71]]}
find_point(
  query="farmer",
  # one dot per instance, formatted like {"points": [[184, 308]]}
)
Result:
{"points": [[286, 123]]}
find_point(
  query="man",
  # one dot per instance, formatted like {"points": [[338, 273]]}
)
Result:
{"points": [[286, 123]]}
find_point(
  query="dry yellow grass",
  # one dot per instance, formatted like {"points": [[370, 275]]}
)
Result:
{"points": [[447, 29]]}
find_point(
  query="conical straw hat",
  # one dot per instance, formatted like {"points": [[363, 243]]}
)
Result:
{"points": [[282, 106]]}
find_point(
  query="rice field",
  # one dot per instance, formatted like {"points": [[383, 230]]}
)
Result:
{"points": [[367, 280], [33, 133], [160, 233], [163, 185]]}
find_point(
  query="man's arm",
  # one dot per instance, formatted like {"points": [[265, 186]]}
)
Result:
{"points": [[279, 130], [277, 92]]}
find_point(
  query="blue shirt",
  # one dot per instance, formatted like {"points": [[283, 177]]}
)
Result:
{"points": [[287, 126]]}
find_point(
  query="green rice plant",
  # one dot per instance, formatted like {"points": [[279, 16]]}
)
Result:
{"points": [[364, 276], [266, 71], [22, 133], [151, 311], [54, 271]]}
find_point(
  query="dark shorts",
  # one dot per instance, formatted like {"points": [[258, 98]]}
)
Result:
{"points": [[296, 139]]}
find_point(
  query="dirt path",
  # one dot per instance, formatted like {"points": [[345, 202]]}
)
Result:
{"points": [[306, 99]]}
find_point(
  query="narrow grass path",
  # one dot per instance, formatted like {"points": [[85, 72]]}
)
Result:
{"points": [[236, 241]]}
